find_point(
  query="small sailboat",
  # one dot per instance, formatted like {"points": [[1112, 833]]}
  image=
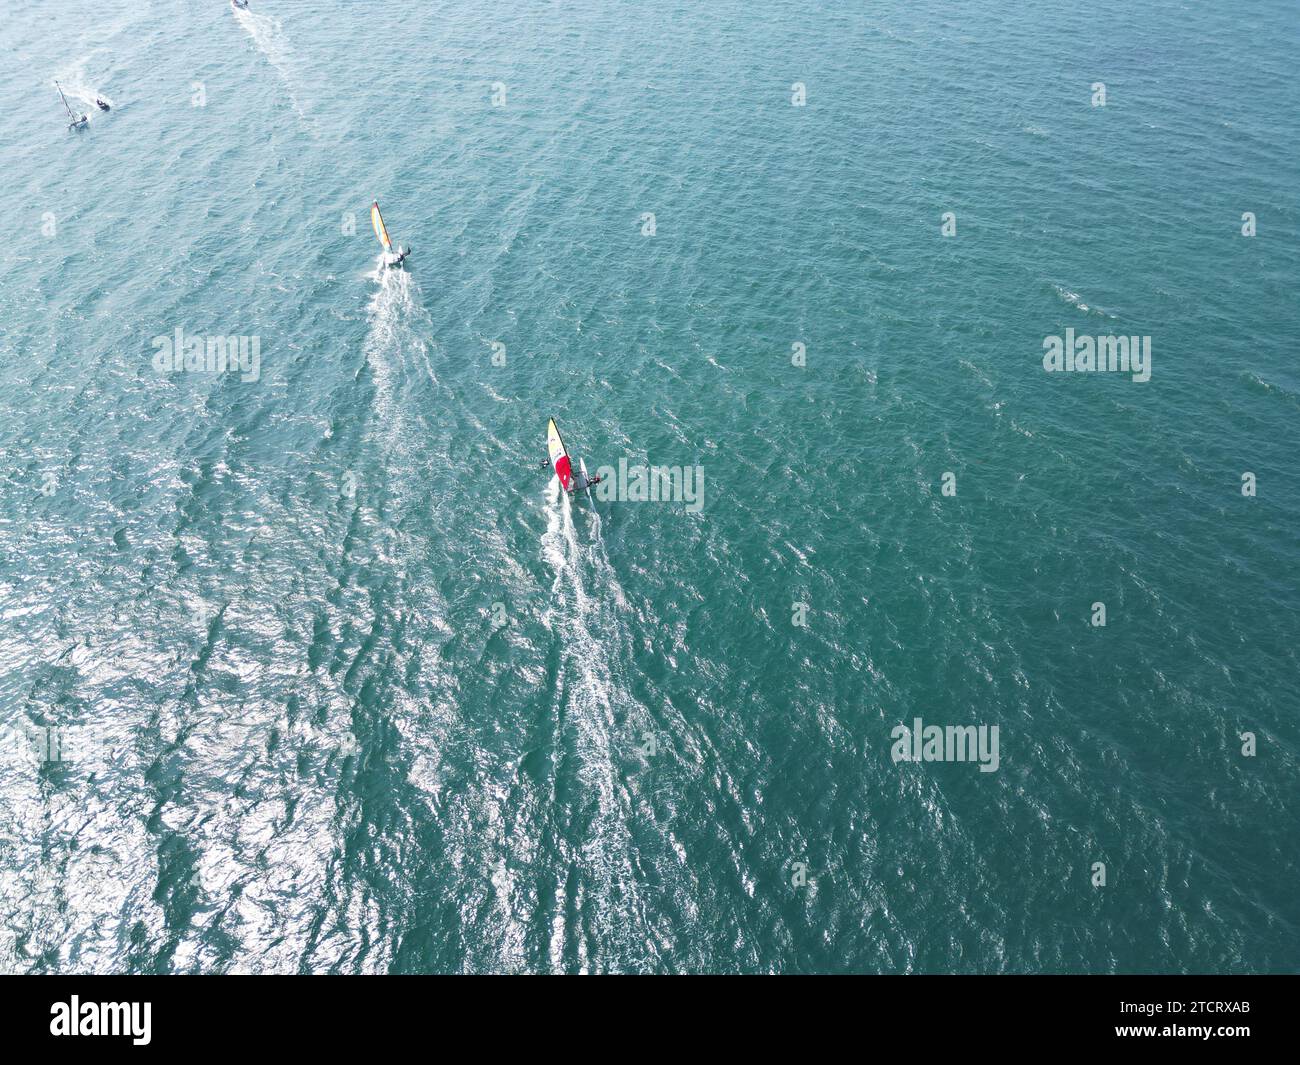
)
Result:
{"points": [[558, 459], [73, 121], [391, 257]]}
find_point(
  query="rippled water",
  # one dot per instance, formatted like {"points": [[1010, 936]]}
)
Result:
{"points": [[343, 683]]}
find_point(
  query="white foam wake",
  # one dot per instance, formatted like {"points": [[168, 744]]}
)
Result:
{"points": [[1075, 300], [83, 94], [607, 721], [397, 339], [76, 86], [267, 33]]}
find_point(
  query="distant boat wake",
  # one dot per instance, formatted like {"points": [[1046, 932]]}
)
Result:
{"points": [[268, 35], [1075, 300]]}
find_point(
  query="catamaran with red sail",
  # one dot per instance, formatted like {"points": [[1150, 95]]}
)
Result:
{"points": [[563, 465]]}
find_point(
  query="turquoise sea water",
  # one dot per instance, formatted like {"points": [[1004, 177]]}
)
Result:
{"points": [[317, 742]]}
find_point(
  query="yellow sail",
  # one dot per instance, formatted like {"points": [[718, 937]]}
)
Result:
{"points": [[381, 231]]}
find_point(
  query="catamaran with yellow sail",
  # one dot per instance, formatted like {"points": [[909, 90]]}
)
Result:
{"points": [[391, 257]]}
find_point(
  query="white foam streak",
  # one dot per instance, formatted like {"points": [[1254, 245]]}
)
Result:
{"points": [[268, 34], [397, 334], [604, 715]]}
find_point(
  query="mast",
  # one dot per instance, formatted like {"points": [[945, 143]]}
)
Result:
{"points": [[65, 102]]}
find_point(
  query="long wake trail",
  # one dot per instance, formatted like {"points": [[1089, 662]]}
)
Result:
{"points": [[268, 35], [396, 349], [607, 721]]}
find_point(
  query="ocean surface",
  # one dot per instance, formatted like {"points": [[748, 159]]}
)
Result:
{"points": [[312, 668]]}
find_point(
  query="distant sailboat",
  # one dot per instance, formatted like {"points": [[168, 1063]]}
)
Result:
{"points": [[391, 258], [73, 121]]}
